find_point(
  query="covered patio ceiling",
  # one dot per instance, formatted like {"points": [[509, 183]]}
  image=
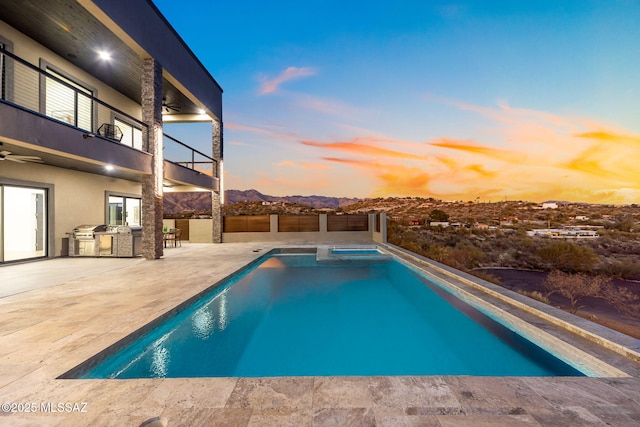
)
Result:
{"points": [[71, 31]]}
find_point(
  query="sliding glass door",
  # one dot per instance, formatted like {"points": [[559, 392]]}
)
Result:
{"points": [[23, 223], [124, 211]]}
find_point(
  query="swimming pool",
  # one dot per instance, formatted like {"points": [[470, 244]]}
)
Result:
{"points": [[291, 315]]}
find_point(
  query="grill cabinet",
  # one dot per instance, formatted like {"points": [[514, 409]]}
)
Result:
{"points": [[105, 241]]}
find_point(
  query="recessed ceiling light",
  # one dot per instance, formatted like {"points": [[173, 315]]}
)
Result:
{"points": [[104, 55], [109, 167]]}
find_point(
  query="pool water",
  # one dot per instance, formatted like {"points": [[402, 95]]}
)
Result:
{"points": [[292, 316]]}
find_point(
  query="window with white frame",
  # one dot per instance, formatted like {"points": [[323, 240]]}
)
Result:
{"points": [[68, 101], [124, 210]]}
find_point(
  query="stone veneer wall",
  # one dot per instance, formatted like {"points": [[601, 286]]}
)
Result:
{"points": [[152, 184], [216, 213]]}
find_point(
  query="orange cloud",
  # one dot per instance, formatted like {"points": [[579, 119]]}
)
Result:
{"points": [[397, 179], [392, 179], [352, 162], [543, 155], [363, 149], [480, 170], [610, 137], [304, 165], [447, 161], [291, 73], [609, 162], [495, 153]]}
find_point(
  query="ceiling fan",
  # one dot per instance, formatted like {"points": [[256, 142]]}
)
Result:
{"points": [[6, 155], [170, 107]]}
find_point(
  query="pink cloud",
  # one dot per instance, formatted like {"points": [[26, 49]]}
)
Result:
{"points": [[303, 165], [261, 131], [364, 146], [291, 73]]}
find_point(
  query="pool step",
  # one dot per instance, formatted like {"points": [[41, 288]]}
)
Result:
{"points": [[345, 255]]}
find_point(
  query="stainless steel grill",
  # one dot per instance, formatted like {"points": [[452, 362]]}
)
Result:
{"points": [[83, 241], [105, 241], [87, 232]]}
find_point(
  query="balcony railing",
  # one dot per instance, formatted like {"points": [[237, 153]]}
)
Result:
{"points": [[53, 95], [178, 152]]}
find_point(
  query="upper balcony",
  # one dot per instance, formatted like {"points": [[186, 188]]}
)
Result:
{"points": [[57, 102]]}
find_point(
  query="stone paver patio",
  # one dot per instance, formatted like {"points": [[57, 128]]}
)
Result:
{"points": [[76, 307]]}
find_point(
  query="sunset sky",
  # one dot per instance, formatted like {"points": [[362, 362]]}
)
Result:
{"points": [[523, 100]]}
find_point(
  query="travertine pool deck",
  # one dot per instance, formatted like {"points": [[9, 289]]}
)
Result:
{"points": [[56, 314]]}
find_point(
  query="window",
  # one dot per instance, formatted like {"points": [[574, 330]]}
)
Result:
{"points": [[6, 70], [3, 72], [124, 210], [70, 102], [23, 223], [131, 136]]}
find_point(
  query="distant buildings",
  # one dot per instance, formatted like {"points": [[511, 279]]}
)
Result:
{"points": [[567, 232], [443, 224]]}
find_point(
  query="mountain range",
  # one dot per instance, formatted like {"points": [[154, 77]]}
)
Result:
{"points": [[175, 203], [235, 196]]}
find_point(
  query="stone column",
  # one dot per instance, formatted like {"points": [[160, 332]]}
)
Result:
{"points": [[152, 184], [216, 196]]}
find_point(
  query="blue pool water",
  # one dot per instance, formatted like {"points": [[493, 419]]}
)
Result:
{"points": [[290, 316]]}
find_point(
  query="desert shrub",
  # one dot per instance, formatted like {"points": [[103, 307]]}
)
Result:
{"points": [[438, 253], [567, 256], [465, 257], [526, 259], [574, 287], [626, 302], [624, 268], [438, 215], [412, 245], [623, 223], [535, 295]]}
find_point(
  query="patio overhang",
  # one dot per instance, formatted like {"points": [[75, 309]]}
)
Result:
{"points": [[130, 32]]}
